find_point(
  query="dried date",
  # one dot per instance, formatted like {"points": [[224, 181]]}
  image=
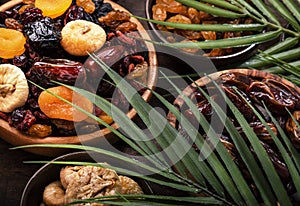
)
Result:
{"points": [[61, 70]]}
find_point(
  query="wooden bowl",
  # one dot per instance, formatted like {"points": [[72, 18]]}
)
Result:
{"points": [[214, 76], [17, 138]]}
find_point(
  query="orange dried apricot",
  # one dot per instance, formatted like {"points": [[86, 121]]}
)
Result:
{"points": [[53, 8], [55, 108], [11, 43]]}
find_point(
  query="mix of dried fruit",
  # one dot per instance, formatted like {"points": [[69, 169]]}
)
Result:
{"points": [[173, 11], [240, 89], [48, 41], [83, 182]]}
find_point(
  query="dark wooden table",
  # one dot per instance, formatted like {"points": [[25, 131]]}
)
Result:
{"points": [[14, 174]]}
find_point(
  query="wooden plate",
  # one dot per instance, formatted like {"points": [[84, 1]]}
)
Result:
{"points": [[16, 138]]}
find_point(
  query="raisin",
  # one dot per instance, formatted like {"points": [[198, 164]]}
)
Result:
{"points": [[21, 61], [22, 119], [74, 13], [31, 15], [11, 23], [43, 35]]}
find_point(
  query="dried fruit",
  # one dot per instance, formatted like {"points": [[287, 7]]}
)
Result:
{"points": [[81, 37], [31, 15], [11, 43], [13, 88], [87, 5], [43, 35], [61, 70], [39, 130], [56, 108], [53, 8]]}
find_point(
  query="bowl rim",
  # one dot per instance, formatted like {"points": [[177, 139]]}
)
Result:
{"points": [[148, 12], [82, 156], [16, 138]]}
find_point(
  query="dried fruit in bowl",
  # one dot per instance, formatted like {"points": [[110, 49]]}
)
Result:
{"points": [[55, 108], [53, 8], [83, 182], [81, 37], [13, 88], [11, 43]]}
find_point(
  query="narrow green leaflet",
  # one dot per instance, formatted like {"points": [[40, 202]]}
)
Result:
{"points": [[266, 10], [285, 154], [211, 9], [247, 156], [205, 149], [224, 43], [208, 27], [285, 13], [259, 61], [293, 8], [224, 4], [262, 156], [168, 135]]}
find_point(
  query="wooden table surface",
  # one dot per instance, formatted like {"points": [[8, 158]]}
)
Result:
{"points": [[14, 174]]}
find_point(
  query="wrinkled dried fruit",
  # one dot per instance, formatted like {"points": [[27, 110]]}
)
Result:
{"points": [[39, 130], [87, 5], [58, 109], [53, 8], [61, 70], [11, 43]]}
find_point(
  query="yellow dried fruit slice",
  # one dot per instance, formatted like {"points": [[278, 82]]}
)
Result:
{"points": [[11, 43], [53, 8]]}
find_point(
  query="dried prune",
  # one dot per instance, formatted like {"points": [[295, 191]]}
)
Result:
{"points": [[43, 35], [102, 9]]}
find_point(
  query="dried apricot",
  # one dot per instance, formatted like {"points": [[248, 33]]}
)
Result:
{"points": [[53, 8], [55, 108], [11, 43]]}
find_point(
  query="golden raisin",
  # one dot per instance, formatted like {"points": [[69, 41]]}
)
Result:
{"points": [[55, 108], [11, 43], [53, 8], [179, 19], [39, 130], [159, 12], [11, 23]]}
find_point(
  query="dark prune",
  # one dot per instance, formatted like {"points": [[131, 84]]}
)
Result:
{"points": [[22, 119], [102, 9], [31, 15], [43, 36]]}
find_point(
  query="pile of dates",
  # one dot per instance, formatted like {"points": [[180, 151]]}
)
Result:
{"points": [[45, 61], [240, 89], [173, 11]]}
